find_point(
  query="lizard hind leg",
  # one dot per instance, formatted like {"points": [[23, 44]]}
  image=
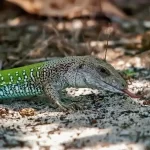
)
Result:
{"points": [[54, 94]]}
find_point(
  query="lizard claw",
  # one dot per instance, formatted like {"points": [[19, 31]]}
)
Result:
{"points": [[67, 104], [75, 107]]}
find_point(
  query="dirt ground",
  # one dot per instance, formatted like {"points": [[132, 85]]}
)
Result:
{"points": [[108, 120]]}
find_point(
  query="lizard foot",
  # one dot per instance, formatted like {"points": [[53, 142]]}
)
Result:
{"points": [[69, 104]]}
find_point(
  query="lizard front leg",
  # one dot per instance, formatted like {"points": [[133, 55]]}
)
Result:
{"points": [[53, 93]]}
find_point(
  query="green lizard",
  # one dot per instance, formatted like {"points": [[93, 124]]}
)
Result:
{"points": [[51, 77]]}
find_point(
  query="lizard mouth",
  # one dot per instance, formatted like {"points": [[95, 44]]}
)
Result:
{"points": [[126, 91]]}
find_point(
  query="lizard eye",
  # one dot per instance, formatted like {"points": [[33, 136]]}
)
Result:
{"points": [[103, 71]]}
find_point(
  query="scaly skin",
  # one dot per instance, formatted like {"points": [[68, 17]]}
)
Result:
{"points": [[51, 77]]}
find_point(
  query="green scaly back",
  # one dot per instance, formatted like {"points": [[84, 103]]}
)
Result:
{"points": [[19, 82]]}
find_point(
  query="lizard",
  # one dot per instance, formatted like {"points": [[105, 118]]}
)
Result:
{"points": [[51, 77]]}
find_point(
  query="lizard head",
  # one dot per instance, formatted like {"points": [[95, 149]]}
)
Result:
{"points": [[96, 73]]}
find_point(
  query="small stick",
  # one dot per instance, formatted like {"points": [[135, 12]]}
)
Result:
{"points": [[106, 47], [110, 31]]}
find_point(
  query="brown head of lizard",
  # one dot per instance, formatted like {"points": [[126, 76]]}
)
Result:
{"points": [[91, 72]]}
